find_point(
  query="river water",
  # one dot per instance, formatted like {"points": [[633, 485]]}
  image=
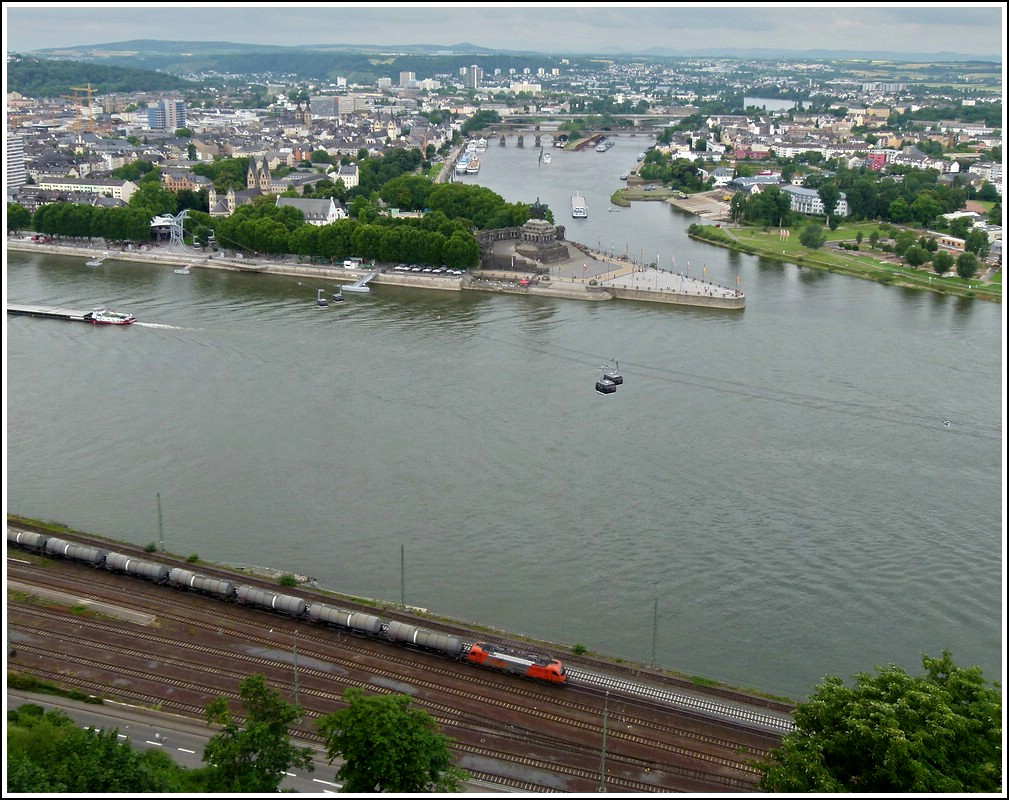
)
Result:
{"points": [[777, 480]]}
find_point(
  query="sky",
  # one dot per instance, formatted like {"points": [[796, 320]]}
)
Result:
{"points": [[971, 28]]}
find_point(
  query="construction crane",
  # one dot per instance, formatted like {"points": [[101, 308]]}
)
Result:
{"points": [[78, 123]]}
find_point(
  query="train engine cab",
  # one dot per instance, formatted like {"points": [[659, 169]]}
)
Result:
{"points": [[538, 667]]}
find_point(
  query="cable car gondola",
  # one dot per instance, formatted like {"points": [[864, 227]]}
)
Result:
{"points": [[614, 374], [603, 384]]}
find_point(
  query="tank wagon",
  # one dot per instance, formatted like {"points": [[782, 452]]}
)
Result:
{"points": [[75, 552], [36, 541], [403, 633], [261, 598], [118, 562], [531, 665], [186, 579], [352, 620], [485, 654]]}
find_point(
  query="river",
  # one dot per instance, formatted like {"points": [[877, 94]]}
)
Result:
{"points": [[777, 479]]}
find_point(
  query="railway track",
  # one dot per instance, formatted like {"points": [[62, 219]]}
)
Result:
{"points": [[364, 646], [445, 713], [658, 741]]}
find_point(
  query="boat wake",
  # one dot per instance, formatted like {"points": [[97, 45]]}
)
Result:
{"points": [[163, 327]]}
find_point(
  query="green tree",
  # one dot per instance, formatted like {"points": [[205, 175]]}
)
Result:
{"points": [[916, 255], [967, 265], [894, 733], [899, 211], [925, 208], [858, 237], [155, 199], [813, 236], [253, 758], [942, 262], [388, 745], [903, 241], [960, 226], [47, 752], [829, 195], [873, 239], [976, 241], [18, 218], [191, 153]]}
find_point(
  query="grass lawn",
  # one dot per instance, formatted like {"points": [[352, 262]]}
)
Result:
{"points": [[865, 263]]}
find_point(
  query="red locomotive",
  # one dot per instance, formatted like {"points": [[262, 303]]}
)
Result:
{"points": [[529, 665]]}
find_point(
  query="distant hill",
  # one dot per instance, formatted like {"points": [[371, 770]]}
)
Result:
{"points": [[357, 63], [37, 77], [147, 49], [816, 55]]}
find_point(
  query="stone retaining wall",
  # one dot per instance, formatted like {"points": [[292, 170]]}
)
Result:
{"points": [[676, 298]]}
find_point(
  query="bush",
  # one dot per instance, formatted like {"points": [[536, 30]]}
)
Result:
{"points": [[150, 548], [193, 558], [288, 580], [579, 650]]}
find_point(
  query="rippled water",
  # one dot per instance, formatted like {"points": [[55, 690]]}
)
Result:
{"points": [[779, 479]]}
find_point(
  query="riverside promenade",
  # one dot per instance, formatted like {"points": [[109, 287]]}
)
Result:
{"points": [[600, 276], [586, 275]]}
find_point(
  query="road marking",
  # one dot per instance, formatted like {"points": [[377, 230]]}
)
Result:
{"points": [[154, 743], [328, 783], [123, 736], [184, 750], [290, 775]]}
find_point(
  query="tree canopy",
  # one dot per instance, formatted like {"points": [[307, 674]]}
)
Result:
{"points": [[253, 758], [892, 732], [48, 753], [388, 745]]}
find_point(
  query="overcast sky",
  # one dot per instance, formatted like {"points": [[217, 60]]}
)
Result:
{"points": [[546, 27]]}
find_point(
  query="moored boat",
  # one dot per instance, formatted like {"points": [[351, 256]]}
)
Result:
{"points": [[104, 316], [473, 167]]}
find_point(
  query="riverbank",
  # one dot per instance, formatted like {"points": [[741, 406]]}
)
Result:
{"points": [[754, 241], [587, 275]]}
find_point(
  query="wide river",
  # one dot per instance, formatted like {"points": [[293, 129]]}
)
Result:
{"points": [[779, 479]]}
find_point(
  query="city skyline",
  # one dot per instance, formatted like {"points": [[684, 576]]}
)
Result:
{"points": [[977, 29]]}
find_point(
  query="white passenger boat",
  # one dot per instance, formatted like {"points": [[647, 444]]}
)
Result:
{"points": [[579, 210], [104, 316]]}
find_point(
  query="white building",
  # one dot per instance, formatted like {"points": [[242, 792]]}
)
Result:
{"points": [[807, 201], [317, 212], [119, 189], [349, 174]]}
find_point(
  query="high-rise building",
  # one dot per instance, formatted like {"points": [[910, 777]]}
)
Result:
{"points": [[15, 167], [474, 77], [168, 114], [406, 77]]}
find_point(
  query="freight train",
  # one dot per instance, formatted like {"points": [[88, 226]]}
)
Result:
{"points": [[539, 667]]}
